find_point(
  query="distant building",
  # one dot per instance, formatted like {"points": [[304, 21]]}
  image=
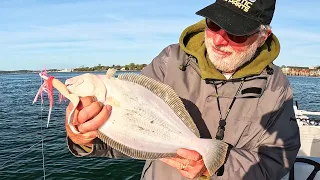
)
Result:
{"points": [[65, 70], [300, 71], [285, 70]]}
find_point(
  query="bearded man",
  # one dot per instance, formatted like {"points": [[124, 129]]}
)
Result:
{"points": [[223, 71]]}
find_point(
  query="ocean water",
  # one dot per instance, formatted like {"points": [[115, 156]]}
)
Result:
{"points": [[22, 127]]}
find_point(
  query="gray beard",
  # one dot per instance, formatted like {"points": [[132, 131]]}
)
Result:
{"points": [[233, 61]]}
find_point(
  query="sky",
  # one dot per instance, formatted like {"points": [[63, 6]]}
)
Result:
{"points": [[38, 34]]}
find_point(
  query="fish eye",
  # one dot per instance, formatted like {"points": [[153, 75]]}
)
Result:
{"points": [[69, 85]]}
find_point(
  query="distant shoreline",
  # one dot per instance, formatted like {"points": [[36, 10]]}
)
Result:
{"points": [[31, 71]]}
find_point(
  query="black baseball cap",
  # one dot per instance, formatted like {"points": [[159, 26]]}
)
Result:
{"points": [[240, 17]]}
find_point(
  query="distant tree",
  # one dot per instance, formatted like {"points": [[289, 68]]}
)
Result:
{"points": [[132, 66], [82, 68], [126, 67], [98, 68], [140, 66], [117, 67]]}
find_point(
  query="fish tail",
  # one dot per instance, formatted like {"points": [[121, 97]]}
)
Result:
{"points": [[213, 153]]}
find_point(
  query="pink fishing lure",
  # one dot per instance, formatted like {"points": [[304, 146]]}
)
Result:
{"points": [[48, 88]]}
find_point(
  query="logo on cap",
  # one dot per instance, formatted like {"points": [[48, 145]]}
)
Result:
{"points": [[244, 5]]}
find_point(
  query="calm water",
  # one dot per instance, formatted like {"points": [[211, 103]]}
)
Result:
{"points": [[20, 129]]}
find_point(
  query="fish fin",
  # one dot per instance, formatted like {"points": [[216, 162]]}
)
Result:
{"points": [[213, 152], [112, 101], [167, 94], [111, 73], [136, 154], [74, 99]]}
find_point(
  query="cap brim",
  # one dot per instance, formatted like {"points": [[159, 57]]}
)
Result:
{"points": [[231, 21]]}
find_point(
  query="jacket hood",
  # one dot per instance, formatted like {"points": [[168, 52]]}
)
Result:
{"points": [[192, 42]]}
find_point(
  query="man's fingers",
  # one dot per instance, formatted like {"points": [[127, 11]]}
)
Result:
{"points": [[89, 112], [193, 171], [182, 161], [206, 173], [172, 162], [81, 139], [188, 168], [89, 135], [75, 117], [85, 101], [189, 154], [97, 121], [179, 162], [187, 174]]}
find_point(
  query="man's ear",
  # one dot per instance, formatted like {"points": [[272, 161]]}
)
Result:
{"points": [[265, 37], [267, 34]]}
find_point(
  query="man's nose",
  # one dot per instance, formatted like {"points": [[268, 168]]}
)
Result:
{"points": [[220, 38]]}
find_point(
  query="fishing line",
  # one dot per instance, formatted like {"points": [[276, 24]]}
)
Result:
{"points": [[2, 166], [42, 144], [42, 139], [42, 149]]}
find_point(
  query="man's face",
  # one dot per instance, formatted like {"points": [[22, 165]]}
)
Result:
{"points": [[227, 55]]}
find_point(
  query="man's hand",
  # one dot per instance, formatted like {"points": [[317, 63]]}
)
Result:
{"points": [[88, 117], [190, 163]]}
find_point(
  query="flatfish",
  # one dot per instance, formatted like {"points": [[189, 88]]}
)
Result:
{"points": [[148, 119]]}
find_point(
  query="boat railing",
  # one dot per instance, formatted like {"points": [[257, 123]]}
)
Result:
{"points": [[312, 175], [303, 116], [307, 166]]}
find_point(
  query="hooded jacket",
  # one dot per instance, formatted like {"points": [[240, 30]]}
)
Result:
{"points": [[264, 138]]}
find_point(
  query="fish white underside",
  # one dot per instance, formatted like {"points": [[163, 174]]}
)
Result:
{"points": [[143, 121], [148, 119]]}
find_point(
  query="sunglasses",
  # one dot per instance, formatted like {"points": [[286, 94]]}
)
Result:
{"points": [[237, 39]]}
